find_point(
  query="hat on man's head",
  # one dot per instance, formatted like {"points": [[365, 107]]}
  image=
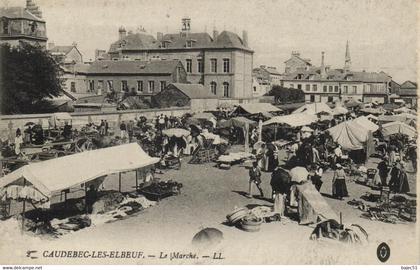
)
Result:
{"points": [[338, 165]]}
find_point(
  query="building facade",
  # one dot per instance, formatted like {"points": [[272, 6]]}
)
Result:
{"points": [[266, 77], [142, 78], [66, 55], [295, 63], [408, 93], [222, 62], [323, 84], [23, 24]]}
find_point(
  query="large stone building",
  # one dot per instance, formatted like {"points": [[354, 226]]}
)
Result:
{"points": [[142, 77], [22, 24], [326, 85], [222, 62]]}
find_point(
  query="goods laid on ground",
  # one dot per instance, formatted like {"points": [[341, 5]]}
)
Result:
{"points": [[225, 161], [251, 220], [159, 190], [397, 209], [352, 234]]}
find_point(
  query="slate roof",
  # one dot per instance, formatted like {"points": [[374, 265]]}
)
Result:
{"points": [[61, 49], [409, 84], [135, 42], [194, 91], [200, 40], [18, 13], [144, 41], [127, 67], [314, 73], [307, 61]]}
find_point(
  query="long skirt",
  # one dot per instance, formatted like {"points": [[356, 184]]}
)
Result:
{"points": [[279, 203], [339, 189]]}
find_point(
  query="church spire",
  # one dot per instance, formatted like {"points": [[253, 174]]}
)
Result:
{"points": [[347, 61]]}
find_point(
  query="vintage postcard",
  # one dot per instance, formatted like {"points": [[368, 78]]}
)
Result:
{"points": [[184, 132]]}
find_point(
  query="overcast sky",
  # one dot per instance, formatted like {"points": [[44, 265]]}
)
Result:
{"points": [[382, 33]]}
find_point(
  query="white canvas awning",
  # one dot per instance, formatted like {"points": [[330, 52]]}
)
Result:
{"points": [[61, 173], [366, 123], [293, 120], [350, 135], [314, 108], [398, 127]]}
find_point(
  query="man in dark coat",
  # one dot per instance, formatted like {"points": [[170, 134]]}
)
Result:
{"points": [[383, 170]]}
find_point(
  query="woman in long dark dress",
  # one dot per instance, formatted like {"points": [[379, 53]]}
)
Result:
{"points": [[399, 181], [339, 187]]}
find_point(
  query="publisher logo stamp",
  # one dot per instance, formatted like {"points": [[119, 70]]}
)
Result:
{"points": [[383, 252]]}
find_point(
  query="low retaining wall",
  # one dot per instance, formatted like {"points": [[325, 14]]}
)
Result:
{"points": [[13, 122]]}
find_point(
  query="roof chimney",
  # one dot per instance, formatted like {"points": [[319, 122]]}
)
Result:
{"points": [[159, 36], [122, 32], [245, 38], [323, 70], [296, 53], [186, 24], [215, 34]]}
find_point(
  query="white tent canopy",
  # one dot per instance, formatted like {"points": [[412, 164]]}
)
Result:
{"points": [[61, 173], [339, 110], [350, 135], [293, 120], [366, 123], [314, 108], [398, 127], [404, 110]]}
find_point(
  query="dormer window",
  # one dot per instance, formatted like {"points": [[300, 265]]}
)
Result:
{"points": [[189, 44], [165, 43]]}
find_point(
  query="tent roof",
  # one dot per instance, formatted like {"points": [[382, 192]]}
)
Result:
{"points": [[254, 108], [203, 115], [398, 127], [402, 117], [366, 123], [339, 110], [61, 173], [239, 121], [294, 120], [373, 110], [405, 110], [314, 108], [350, 135]]}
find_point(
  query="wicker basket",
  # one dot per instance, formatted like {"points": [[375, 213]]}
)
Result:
{"points": [[251, 223], [237, 215]]}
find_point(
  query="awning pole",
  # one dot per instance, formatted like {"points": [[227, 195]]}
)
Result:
{"points": [[119, 182], [275, 132], [86, 206], [23, 209], [137, 179]]}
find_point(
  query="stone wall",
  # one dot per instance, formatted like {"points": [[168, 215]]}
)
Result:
{"points": [[82, 118]]}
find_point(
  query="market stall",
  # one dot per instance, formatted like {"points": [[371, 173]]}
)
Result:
{"points": [[37, 183], [398, 127]]}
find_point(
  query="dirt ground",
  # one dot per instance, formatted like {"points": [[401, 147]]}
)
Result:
{"points": [[208, 195]]}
